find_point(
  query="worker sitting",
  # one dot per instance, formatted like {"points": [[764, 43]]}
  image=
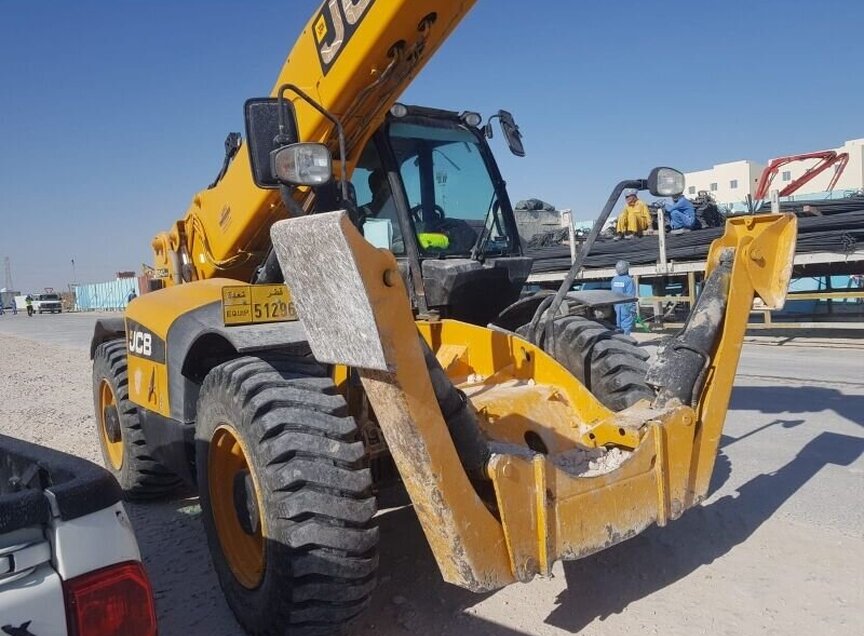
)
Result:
{"points": [[682, 214], [634, 218], [623, 283]]}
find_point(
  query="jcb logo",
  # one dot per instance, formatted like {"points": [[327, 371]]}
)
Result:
{"points": [[141, 343], [335, 25]]}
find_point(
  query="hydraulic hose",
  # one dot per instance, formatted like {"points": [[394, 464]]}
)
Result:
{"points": [[471, 445]]}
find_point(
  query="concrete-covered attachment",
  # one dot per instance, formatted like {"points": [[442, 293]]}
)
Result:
{"points": [[762, 248], [355, 309], [563, 475]]}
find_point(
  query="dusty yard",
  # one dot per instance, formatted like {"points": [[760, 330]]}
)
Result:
{"points": [[778, 549]]}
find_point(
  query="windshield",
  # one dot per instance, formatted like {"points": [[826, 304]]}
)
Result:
{"points": [[381, 225], [449, 188]]}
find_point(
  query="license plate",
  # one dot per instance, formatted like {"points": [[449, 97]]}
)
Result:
{"points": [[249, 304]]}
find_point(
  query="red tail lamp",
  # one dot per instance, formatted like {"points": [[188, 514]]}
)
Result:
{"points": [[113, 601]]}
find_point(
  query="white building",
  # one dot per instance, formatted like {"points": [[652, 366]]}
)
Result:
{"points": [[726, 182], [731, 182]]}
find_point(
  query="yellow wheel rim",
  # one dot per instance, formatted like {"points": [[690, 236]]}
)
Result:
{"points": [[108, 410], [236, 504]]}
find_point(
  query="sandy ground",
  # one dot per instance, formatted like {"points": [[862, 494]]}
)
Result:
{"points": [[776, 550]]}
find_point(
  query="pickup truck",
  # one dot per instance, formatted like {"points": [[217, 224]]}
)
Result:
{"points": [[42, 303], [69, 561]]}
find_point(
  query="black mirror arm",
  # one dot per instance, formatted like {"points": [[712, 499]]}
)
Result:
{"points": [[294, 209], [329, 116], [487, 129], [551, 305]]}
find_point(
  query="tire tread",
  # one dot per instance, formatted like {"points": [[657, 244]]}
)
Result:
{"points": [[317, 484], [609, 364], [140, 476]]}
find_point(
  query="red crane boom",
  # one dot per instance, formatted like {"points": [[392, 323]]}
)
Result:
{"points": [[827, 158]]}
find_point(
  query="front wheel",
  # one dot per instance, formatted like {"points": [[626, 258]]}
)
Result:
{"points": [[607, 362], [286, 496]]}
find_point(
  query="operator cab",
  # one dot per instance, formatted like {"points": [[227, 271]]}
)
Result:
{"points": [[428, 189], [425, 187]]}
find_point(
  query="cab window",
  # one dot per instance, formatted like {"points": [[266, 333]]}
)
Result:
{"points": [[448, 187], [375, 202]]}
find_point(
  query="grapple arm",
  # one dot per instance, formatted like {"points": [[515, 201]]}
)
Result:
{"points": [[542, 500]]}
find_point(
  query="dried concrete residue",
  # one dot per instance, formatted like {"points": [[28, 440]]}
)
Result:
{"points": [[580, 462], [590, 462]]}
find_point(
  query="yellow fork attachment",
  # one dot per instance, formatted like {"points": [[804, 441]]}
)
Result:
{"points": [[562, 475]]}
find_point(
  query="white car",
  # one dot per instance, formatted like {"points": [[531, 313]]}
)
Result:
{"points": [[69, 562], [48, 303]]}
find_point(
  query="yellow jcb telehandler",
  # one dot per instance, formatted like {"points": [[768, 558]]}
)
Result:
{"points": [[318, 327]]}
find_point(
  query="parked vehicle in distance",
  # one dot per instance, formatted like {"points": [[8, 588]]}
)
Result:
{"points": [[47, 303], [67, 549]]}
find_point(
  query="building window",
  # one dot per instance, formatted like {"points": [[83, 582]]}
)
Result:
{"points": [[713, 187], [691, 190], [786, 176], [733, 185]]}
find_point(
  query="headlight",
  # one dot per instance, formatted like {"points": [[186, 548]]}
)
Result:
{"points": [[471, 119], [665, 182], [399, 110], [306, 164]]}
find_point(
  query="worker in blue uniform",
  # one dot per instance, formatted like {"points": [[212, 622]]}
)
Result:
{"points": [[682, 214], [623, 283]]}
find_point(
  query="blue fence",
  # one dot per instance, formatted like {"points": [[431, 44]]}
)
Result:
{"points": [[110, 295]]}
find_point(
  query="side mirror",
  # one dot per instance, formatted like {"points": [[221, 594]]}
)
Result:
{"points": [[302, 164], [511, 133], [263, 119], [665, 182]]}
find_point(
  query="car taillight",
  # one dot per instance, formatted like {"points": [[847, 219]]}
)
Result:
{"points": [[113, 601]]}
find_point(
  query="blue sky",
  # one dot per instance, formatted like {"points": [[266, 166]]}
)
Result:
{"points": [[113, 113]]}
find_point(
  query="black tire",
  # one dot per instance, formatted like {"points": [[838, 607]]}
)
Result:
{"points": [[313, 491], [140, 476], [607, 362]]}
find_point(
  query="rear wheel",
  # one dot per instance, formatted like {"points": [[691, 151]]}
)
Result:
{"points": [[608, 363], [124, 447], [286, 496]]}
